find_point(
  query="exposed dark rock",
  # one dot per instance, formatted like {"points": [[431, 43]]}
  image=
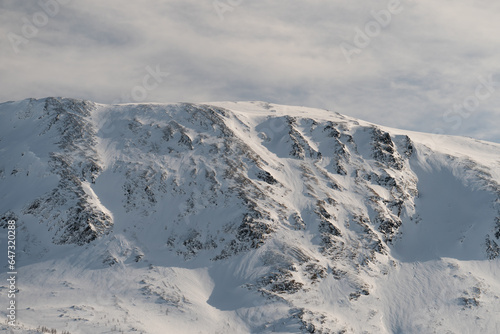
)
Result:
{"points": [[358, 293], [266, 177], [492, 248], [384, 149], [315, 272], [6, 217], [497, 228], [409, 147], [468, 302], [388, 227], [280, 282]]}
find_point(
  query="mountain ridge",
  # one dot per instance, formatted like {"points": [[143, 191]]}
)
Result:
{"points": [[305, 212]]}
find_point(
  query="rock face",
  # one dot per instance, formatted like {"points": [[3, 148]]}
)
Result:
{"points": [[315, 206]]}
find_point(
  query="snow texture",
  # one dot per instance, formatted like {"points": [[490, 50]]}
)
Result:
{"points": [[245, 217]]}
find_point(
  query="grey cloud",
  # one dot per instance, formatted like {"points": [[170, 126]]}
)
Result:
{"points": [[412, 72]]}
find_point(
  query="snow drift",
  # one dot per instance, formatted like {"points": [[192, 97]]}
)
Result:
{"points": [[245, 217]]}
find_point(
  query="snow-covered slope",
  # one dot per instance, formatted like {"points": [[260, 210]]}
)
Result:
{"points": [[245, 217]]}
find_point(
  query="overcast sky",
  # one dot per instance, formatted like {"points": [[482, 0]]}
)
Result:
{"points": [[429, 66]]}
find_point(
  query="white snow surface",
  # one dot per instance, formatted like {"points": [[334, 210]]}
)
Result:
{"points": [[244, 217]]}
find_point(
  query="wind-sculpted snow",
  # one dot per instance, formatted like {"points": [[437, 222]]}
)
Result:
{"points": [[246, 217], [63, 129]]}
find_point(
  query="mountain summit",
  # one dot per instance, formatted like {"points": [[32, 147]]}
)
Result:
{"points": [[245, 217]]}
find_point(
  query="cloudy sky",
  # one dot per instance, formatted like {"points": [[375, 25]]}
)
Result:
{"points": [[430, 66]]}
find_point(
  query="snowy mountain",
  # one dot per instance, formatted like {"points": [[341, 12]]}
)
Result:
{"points": [[244, 217]]}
